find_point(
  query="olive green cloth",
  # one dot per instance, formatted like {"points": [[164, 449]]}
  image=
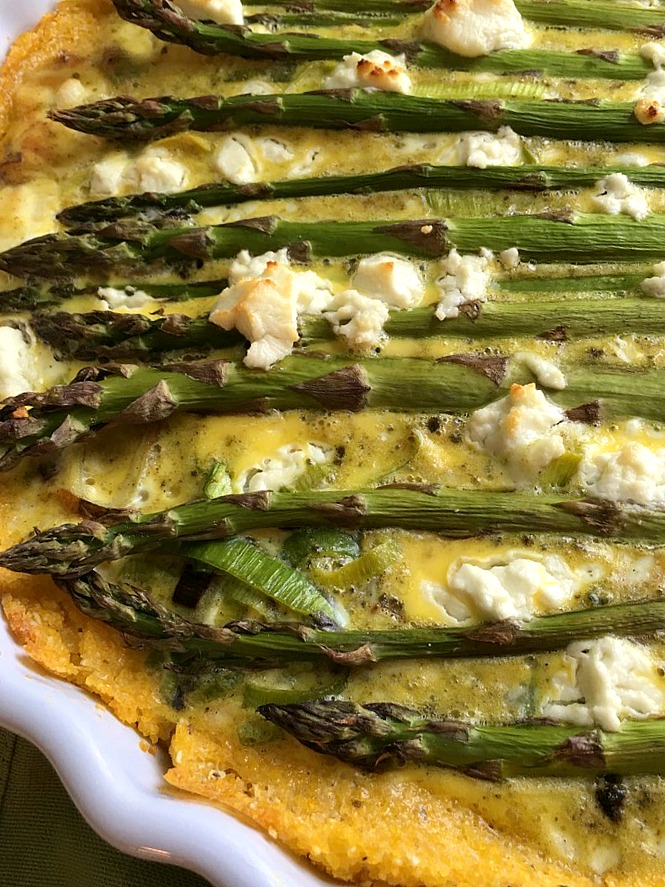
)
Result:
{"points": [[45, 842]]}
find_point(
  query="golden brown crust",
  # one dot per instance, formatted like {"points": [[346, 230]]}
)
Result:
{"points": [[70, 28]]}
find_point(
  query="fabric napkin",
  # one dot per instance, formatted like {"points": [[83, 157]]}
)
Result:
{"points": [[45, 842]]}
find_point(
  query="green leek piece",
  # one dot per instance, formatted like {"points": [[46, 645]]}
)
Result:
{"points": [[258, 691], [302, 546], [369, 565], [268, 575]]}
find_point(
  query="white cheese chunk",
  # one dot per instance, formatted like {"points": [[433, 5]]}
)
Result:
{"points": [[71, 93], [235, 159], [518, 589], [358, 318], [282, 469], [128, 298], [245, 265], [653, 52], [108, 175], [263, 302], [618, 195], [225, 12], [156, 173], [17, 369], [263, 309], [475, 27], [655, 286], [464, 279], [393, 280], [153, 170], [632, 474], [547, 373], [376, 70], [274, 150], [520, 428], [604, 681], [483, 149], [311, 292], [650, 106], [510, 258]]}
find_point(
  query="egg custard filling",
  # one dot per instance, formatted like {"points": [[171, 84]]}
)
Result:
{"points": [[332, 429]]}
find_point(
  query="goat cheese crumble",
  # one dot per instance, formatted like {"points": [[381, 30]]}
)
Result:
{"points": [[284, 468], [234, 159], [510, 258], [632, 474], [604, 681], [464, 279], [520, 428], [650, 106], [483, 149], [376, 70], [475, 27], [263, 301], [618, 195], [655, 286], [393, 280], [153, 170], [360, 319], [16, 363], [25, 364], [224, 12], [128, 298], [547, 373], [518, 589]]}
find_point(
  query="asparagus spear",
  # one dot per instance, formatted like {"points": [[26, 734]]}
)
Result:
{"points": [[75, 549], [129, 245], [611, 16], [37, 424], [566, 237], [521, 178], [167, 21], [39, 295], [381, 735], [154, 118], [34, 296], [132, 611], [42, 424], [105, 334]]}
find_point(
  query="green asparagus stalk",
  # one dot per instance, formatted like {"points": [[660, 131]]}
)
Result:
{"points": [[128, 245], [75, 549], [45, 423], [154, 118], [167, 21], [105, 334], [37, 296], [133, 612], [381, 735], [573, 13], [521, 178], [42, 295], [133, 245], [38, 424], [321, 19]]}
